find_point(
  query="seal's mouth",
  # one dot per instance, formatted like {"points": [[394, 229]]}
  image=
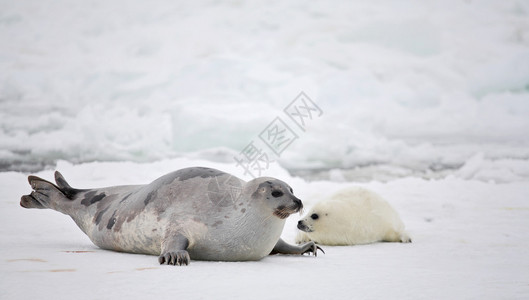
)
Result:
{"points": [[283, 211], [303, 227]]}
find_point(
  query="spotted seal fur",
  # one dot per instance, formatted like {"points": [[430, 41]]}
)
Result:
{"points": [[194, 213]]}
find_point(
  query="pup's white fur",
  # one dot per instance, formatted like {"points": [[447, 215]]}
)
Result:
{"points": [[352, 216]]}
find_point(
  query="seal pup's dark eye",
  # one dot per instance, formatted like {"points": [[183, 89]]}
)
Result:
{"points": [[277, 194], [314, 216]]}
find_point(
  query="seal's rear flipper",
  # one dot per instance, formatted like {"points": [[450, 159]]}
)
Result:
{"points": [[46, 193], [64, 187]]}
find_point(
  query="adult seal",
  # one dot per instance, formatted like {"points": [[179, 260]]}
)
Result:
{"points": [[194, 213]]}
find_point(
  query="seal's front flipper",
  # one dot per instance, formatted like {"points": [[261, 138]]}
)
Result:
{"points": [[176, 258], [283, 247], [174, 251]]}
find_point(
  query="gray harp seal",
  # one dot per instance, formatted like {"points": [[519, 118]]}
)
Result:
{"points": [[194, 213]]}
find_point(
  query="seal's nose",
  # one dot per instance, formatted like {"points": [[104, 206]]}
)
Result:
{"points": [[301, 226], [298, 203]]}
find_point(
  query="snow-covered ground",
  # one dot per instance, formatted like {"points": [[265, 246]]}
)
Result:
{"points": [[470, 241], [424, 102]]}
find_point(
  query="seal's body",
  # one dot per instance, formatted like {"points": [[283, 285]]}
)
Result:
{"points": [[352, 216], [197, 213]]}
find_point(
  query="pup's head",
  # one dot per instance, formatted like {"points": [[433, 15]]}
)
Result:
{"points": [[317, 218]]}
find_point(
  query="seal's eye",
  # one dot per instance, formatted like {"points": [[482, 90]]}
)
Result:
{"points": [[314, 216], [277, 194]]}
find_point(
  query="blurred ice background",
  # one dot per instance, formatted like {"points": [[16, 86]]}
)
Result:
{"points": [[407, 88]]}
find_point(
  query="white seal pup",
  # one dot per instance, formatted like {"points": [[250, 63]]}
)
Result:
{"points": [[194, 213], [352, 216]]}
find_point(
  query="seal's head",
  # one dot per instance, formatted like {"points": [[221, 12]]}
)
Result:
{"points": [[275, 195], [318, 218]]}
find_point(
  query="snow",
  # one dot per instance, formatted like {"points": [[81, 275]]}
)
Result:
{"points": [[424, 102], [470, 240], [421, 85]]}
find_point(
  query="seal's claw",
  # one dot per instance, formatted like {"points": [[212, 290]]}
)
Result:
{"points": [[175, 258], [311, 247]]}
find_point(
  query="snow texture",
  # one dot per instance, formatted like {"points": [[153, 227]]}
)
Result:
{"points": [[470, 241], [418, 85]]}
